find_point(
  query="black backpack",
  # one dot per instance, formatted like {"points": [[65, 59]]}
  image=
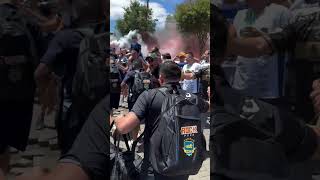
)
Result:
{"points": [[92, 73], [18, 57], [142, 82], [177, 144]]}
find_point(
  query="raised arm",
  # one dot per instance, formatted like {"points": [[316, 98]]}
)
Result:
{"points": [[265, 44]]}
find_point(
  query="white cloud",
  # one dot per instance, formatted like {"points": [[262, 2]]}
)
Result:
{"points": [[116, 8], [159, 12]]}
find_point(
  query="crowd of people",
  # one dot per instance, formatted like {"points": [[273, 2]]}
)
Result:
{"points": [[138, 77], [128, 66]]}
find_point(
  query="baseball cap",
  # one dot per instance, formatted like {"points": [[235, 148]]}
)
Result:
{"points": [[182, 54]]}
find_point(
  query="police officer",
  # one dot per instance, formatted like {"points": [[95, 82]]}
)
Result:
{"points": [[18, 58], [62, 55]]}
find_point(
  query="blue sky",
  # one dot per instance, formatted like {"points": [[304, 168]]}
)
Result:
{"points": [[161, 8]]}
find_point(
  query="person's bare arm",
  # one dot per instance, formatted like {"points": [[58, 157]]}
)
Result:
{"points": [[42, 72], [250, 47], [127, 123], [34, 13], [64, 171], [45, 24], [145, 66], [128, 55], [120, 66], [315, 97], [51, 25], [182, 76], [247, 47], [130, 59]]}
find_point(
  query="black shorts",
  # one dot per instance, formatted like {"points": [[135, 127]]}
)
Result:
{"points": [[15, 125]]}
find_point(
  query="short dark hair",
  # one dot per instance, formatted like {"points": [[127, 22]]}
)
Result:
{"points": [[170, 70], [135, 49], [155, 49], [166, 56]]}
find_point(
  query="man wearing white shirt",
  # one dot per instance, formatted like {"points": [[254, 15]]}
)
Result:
{"points": [[190, 82], [260, 77]]}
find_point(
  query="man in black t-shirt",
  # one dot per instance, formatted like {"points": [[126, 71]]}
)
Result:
{"points": [[61, 58], [148, 107]]}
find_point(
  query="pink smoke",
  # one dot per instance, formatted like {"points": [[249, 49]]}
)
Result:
{"points": [[170, 40]]}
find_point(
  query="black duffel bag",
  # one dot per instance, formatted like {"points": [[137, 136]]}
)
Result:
{"points": [[126, 165]]}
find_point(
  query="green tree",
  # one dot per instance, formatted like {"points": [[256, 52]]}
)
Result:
{"points": [[193, 17], [136, 17]]}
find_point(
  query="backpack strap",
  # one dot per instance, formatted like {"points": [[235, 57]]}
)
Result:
{"points": [[97, 45], [166, 93], [134, 144], [93, 39]]}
